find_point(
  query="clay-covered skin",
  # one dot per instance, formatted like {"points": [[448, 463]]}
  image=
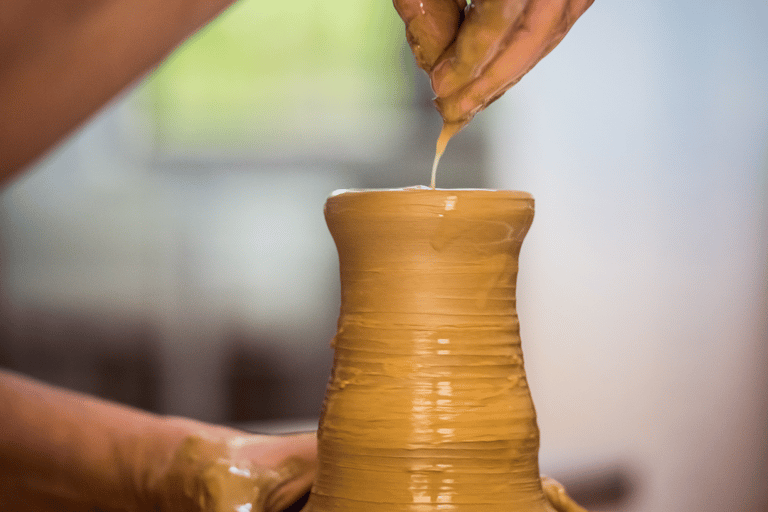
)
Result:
{"points": [[64, 451], [428, 406], [474, 53], [212, 474], [430, 26]]}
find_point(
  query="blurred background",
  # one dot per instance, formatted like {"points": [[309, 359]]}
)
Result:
{"points": [[172, 254]]}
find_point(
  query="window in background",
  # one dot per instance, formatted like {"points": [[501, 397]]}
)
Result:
{"points": [[302, 77]]}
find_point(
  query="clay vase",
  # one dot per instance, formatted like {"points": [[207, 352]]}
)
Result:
{"points": [[428, 407]]}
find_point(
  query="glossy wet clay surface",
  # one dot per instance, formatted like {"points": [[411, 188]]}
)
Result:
{"points": [[428, 405]]}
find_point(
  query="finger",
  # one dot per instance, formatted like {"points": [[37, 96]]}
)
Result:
{"points": [[543, 26], [557, 497], [296, 477], [272, 450], [430, 26], [481, 36], [296, 469]]}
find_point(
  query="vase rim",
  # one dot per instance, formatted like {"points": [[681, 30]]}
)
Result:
{"points": [[518, 194]]}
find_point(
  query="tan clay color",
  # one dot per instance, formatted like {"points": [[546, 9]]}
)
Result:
{"points": [[475, 51], [63, 451], [448, 131], [428, 407], [203, 475]]}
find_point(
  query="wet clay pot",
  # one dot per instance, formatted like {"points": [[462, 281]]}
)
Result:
{"points": [[428, 407]]}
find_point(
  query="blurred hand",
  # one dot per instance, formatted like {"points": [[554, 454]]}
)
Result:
{"points": [[474, 53], [223, 470], [61, 60]]}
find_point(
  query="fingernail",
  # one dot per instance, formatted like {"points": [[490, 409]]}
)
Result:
{"points": [[442, 77]]}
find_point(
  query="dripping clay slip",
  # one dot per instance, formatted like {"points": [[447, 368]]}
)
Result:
{"points": [[448, 131], [428, 406]]}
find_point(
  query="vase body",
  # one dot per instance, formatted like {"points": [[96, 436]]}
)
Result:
{"points": [[428, 406]]}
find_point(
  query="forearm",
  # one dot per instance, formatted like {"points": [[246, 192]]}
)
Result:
{"points": [[61, 60], [60, 450]]}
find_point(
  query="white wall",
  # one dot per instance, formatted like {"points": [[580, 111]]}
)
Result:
{"points": [[644, 138]]}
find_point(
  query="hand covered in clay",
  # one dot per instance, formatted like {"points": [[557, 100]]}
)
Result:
{"points": [[62, 450], [557, 498], [222, 470], [474, 53]]}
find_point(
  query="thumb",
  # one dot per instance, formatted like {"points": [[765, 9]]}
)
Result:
{"points": [[296, 472], [296, 477]]}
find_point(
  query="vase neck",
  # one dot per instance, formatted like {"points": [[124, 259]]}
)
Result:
{"points": [[429, 257]]}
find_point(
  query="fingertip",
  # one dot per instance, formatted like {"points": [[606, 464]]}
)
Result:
{"points": [[444, 79], [296, 478], [455, 111]]}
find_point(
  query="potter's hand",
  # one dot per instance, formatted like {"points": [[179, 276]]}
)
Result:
{"points": [[557, 497], [222, 470], [62, 450], [474, 53]]}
